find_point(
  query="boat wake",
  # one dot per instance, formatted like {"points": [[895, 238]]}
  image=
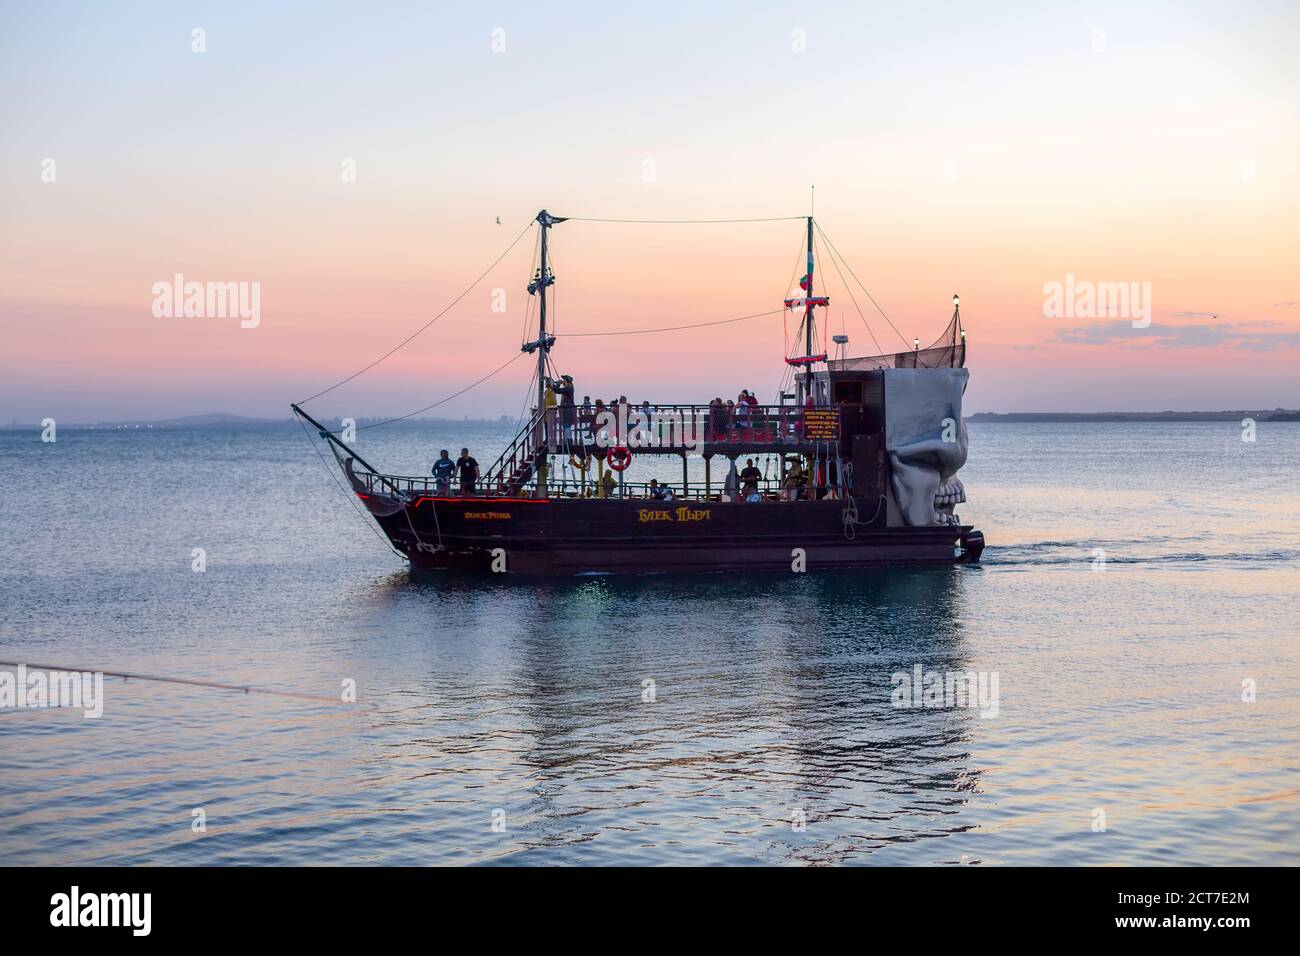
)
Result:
{"points": [[1148, 551]]}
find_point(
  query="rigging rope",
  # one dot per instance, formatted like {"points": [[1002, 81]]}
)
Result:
{"points": [[193, 682], [426, 325], [683, 221], [849, 290], [443, 401], [788, 374], [346, 494], [528, 306], [859, 282], [676, 328]]}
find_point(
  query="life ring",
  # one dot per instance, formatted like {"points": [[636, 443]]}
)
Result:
{"points": [[619, 457]]}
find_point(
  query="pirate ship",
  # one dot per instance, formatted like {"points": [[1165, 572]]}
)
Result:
{"points": [[865, 453]]}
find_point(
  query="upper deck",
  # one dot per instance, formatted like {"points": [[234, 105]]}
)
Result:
{"points": [[586, 436], [727, 429]]}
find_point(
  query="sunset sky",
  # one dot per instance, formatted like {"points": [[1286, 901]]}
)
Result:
{"points": [[985, 149]]}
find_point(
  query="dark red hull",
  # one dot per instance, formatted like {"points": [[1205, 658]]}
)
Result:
{"points": [[567, 537]]}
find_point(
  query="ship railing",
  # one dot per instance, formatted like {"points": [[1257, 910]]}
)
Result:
{"points": [[521, 451], [561, 485], [580, 433], [413, 486], [771, 489], [678, 428]]}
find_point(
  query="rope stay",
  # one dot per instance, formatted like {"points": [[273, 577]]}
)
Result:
{"points": [[674, 328], [426, 325], [837, 252], [682, 222], [443, 401], [189, 681], [852, 298], [346, 494]]}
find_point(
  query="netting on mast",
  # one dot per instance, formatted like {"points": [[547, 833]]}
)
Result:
{"points": [[948, 351]]}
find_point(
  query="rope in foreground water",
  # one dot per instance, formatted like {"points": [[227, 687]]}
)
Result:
{"points": [[190, 681]]}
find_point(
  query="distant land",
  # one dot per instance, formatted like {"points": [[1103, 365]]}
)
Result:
{"points": [[1259, 415], [222, 419]]}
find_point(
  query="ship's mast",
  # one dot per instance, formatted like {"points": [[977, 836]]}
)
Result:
{"points": [[808, 316], [539, 285], [809, 300], [543, 219]]}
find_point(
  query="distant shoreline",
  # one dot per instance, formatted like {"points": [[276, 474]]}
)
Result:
{"points": [[1259, 415], [240, 421]]}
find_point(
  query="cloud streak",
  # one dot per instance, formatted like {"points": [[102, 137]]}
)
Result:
{"points": [[1245, 336]]}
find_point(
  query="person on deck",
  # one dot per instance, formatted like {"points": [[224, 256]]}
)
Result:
{"points": [[647, 423], [794, 479], [755, 419], [749, 478], [467, 466], [600, 437], [622, 410], [549, 422], [443, 469], [584, 417], [655, 492], [717, 420], [568, 410], [608, 485]]}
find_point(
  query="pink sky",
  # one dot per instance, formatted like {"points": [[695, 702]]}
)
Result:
{"points": [[988, 156]]}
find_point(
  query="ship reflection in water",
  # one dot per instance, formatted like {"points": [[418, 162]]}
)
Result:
{"points": [[716, 718]]}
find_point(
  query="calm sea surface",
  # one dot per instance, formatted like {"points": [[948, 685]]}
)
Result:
{"points": [[771, 737]]}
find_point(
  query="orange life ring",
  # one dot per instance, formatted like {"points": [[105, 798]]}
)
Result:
{"points": [[620, 456]]}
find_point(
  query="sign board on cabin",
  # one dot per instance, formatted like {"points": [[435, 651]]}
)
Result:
{"points": [[821, 424]]}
